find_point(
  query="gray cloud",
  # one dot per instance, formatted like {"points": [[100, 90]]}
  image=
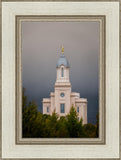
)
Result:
{"points": [[41, 42]]}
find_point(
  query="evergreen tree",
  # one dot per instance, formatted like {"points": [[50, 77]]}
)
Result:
{"points": [[72, 122], [38, 125], [97, 125]]}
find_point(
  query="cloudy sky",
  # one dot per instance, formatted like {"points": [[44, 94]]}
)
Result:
{"points": [[41, 48]]}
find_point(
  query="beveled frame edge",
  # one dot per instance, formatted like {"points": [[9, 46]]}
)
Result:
{"points": [[61, 159], [49, 141], [61, 0], [120, 79], [0, 79]]}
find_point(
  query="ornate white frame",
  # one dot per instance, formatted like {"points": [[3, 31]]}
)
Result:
{"points": [[9, 147]]}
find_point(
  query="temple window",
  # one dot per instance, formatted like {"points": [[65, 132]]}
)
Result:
{"points": [[77, 109], [47, 109], [62, 72], [62, 108]]}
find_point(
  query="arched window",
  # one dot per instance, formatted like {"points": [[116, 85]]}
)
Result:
{"points": [[47, 109], [77, 109], [62, 72]]}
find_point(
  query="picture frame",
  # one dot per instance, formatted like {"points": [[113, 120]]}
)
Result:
{"points": [[12, 145], [101, 21]]}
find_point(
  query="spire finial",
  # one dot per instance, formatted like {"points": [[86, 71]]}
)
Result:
{"points": [[62, 50]]}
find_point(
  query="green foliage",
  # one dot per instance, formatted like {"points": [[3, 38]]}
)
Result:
{"points": [[97, 125], [62, 131], [38, 125], [72, 123], [90, 130]]}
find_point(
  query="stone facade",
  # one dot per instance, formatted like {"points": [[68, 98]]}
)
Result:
{"points": [[62, 98]]}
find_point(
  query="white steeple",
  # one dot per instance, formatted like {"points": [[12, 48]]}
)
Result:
{"points": [[62, 69]]}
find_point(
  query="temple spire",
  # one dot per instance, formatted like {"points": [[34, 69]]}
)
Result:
{"points": [[62, 50]]}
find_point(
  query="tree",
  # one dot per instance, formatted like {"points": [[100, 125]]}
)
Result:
{"points": [[29, 115], [24, 100], [72, 122], [97, 125], [51, 125], [38, 125], [90, 130], [62, 131], [81, 131]]}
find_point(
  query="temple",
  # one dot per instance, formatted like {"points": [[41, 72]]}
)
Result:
{"points": [[62, 98]]}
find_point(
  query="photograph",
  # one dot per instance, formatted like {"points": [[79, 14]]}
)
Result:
{"points": [[60, 79]]}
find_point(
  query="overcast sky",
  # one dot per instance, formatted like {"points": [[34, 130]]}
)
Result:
{"points": [[41, 48]]}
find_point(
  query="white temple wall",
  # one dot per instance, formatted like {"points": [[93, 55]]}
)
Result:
{"points": [[72, 101], [66, 74], [52, 104], [65, 99], [85, 113], [45, 105]]}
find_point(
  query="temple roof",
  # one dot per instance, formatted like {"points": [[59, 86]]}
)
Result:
{"points": [[62, 61]]}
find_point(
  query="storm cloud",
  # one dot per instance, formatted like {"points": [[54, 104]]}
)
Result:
{"points": [[41, 48]]}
